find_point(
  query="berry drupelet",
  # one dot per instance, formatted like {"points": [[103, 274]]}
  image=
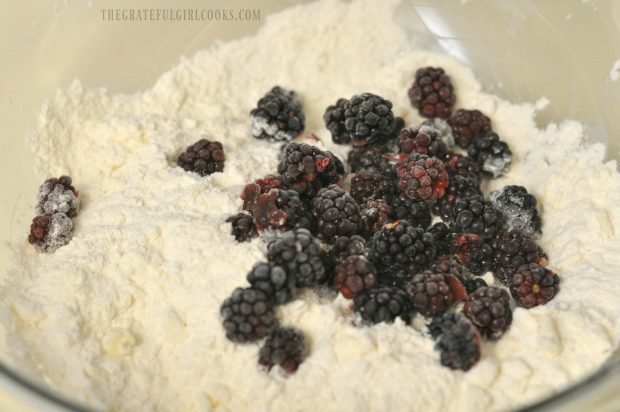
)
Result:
{"points": [[467, 125], [57, 195], [475, 215], [353, 275], [50, 231], [300, 254], [519, 208], [334, 122], [433, 293], [306, 169], [421, 177], [247, 315], [513, 249], [473, 252], [375, 214], [423, 140], [400, 249], [370, 184], [203, 157], [458, 344], [243, 227], [383, 304], [336, 213], [489, 309], [492, 154], [252, 191], [416, 212], [368, 118], [281, 210], [273, 280], [532, 285], [460, 188], [278, 116], [432, 93], [285, 347]]}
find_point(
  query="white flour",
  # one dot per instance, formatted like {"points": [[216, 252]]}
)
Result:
{"points": [[126, 316]]}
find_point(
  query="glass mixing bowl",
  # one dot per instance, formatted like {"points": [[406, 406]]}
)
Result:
{"points": [[563, 50]]}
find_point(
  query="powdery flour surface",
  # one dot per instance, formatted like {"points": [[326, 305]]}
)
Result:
{"points": [[127, 315]]}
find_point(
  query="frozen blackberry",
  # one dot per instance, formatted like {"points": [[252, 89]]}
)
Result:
{"points": [[247, 315], [513, 249], [336, 213], [281, 210], [444, 129], [278, 116], [273, 280], [334, 121], [300, 254], [203, 157], [489, 309], [492, 154], [468, 124], [58, 196], [433, 293], [423, 140], [400, 249], [459, 344], [475, 215], [370, 184], [383, 304], [532, 285], [473, 284], [252, 191], [353, 275], [421, 177], [375, 214], [243, 228], [370, 157], [442, 323], [285, 347], [306, 169], [443, 237], [416, 212], [368, 118], [50, 231], [519, 208], [459, 165], [460, 188], [432, 93], [473, 252], [345, 246]]}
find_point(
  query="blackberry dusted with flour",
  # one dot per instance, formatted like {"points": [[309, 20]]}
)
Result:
{"points": [[492, 154], [336, 214], [203, 157], [300, 254], [489, 309], [278, 116], [281, 210], [334, 122], [370, 184], [458, 344], [307, 168], [368, 118], [475, 215], [423, 140], [247, 315], [519, 207], [375, 214], [371, 157], [433, 293], [353, 275], [401, 250], [467, 125], [286, 348], [383, 304], [432, 92], [57, 195], [416, 212], [512, 250], [421, 177], [274, 281], [460, 188], [50, 231]]}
